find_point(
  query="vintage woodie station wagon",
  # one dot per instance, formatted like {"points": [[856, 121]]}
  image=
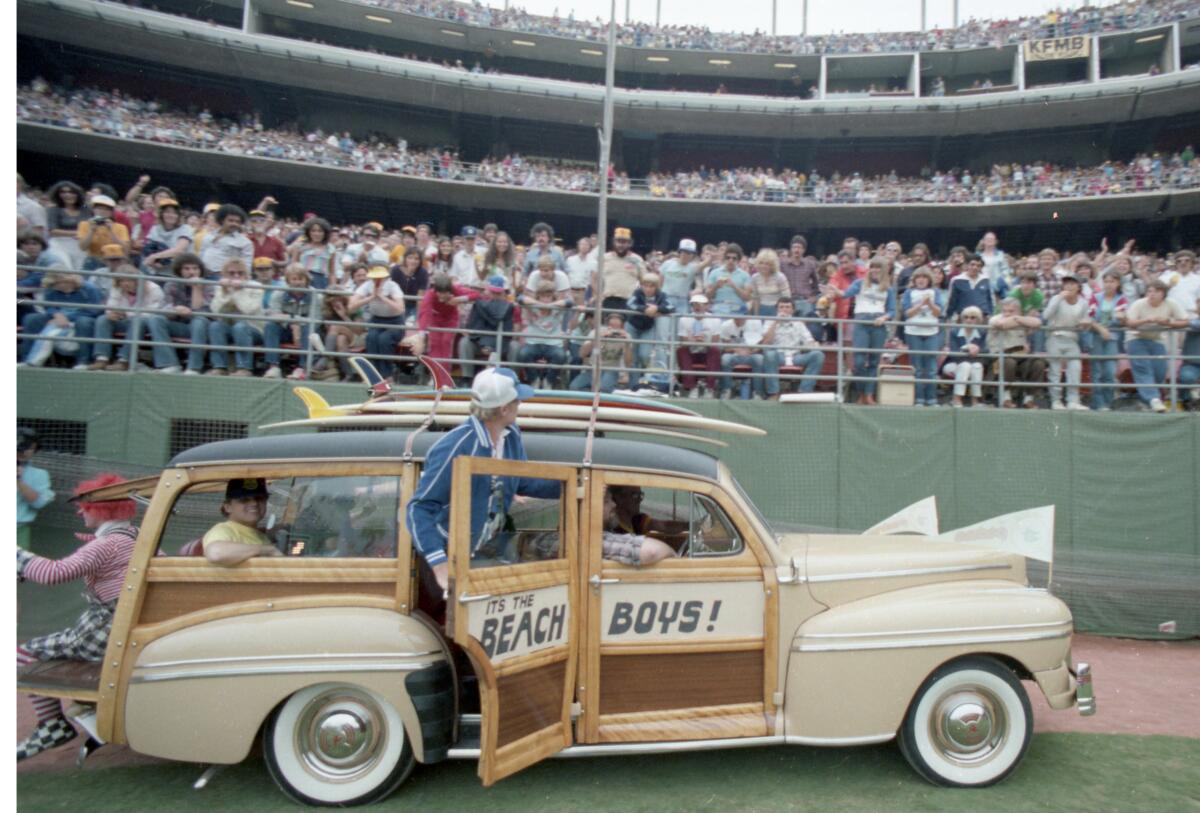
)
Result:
{"points": [[349, 664]]}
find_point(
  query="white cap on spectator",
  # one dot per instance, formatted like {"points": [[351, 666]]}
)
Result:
{"points": [[104, 200], [687, 244], [497, 386], [701, 298]]}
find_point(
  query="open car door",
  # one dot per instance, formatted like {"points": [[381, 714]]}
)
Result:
{"points": [[512, 605]]}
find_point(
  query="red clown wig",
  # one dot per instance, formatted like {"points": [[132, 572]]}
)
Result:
{"points": [[106, 510]]}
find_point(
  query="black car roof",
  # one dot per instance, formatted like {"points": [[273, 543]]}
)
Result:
{"points": [[390, 445]]}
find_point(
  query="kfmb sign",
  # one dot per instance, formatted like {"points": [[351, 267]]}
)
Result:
{"points": [[1059, 48]]}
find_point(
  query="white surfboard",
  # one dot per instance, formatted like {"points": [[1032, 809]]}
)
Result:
{"points": [[611, 415], [454, 419]]}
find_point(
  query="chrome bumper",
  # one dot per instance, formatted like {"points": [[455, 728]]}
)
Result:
{"points": [[1085, 697]]}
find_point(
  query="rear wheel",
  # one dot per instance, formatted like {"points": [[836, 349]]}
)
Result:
{"points": [[969, 724], [337, 745]]}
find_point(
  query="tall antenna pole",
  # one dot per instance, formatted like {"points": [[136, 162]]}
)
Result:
{"points": [[610, 70]]}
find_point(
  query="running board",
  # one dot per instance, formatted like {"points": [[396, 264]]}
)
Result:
{"points": [[627, 748]]}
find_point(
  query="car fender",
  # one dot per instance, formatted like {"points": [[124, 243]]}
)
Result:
{"points": [[201, 693], [853, 669]]}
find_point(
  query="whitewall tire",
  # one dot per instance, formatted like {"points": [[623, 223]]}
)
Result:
{"points": [[969, 724], [338, 745]]}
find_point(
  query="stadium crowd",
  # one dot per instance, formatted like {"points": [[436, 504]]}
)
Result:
{"points": [[98, 271], [971, 34], [117, 114]]}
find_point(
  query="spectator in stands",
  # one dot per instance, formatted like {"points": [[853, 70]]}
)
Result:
{"points": [[291, 307], [545, 273], [411, 276], [39, 255], [964, 361], [699, 333], [922, 306], [542, 235], [501, 260], [1189, 372], [623, 270], [801, 272], [368, 251], [167, 239], [969, 289], [1107, 312], [128, 292], [227, 242], [63, 218], [34, 491], [646, 325], [1146, 320], [315, 252], [616, 351], [349, 335], [489, 326], [382, 300], [1186, 288], [543, 337], [31, 215], [874, 304], [1048, 281], [741, 346], [99, 231], [679, 274], [996, 265], [438, 317], [442, 261], [1066, 316], [236, 296], [266, 245], [1008, 337], [69, 309], [767, 284], [464, 267], [787, 342], [101, 563], [727, 285], [186, 300], [581, 271]]}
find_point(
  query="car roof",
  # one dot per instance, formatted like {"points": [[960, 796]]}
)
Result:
{"points": [[606, 452]]}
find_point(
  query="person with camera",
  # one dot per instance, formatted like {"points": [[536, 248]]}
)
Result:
{"points": [[100, 230], [33, 486]]}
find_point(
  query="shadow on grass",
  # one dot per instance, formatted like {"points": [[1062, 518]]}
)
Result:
{"points": [[1060, 772]]}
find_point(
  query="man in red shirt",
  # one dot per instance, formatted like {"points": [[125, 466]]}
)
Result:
{"points": [[264, 244]]}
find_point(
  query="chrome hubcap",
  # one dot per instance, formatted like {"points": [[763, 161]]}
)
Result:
{"points": [[340, 735], [968, 725]]}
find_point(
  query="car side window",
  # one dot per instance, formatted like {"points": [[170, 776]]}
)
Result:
{"points": [[342, 517], [691, 523]]}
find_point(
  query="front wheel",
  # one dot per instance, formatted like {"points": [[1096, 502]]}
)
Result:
{"points": [[969, 724], [337, 745]]}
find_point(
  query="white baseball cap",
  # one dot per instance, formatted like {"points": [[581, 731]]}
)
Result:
{"points": [[497, 386], [104, 200], [699, 298], [687, 245]]}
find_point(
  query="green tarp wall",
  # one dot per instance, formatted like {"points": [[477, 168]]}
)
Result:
{"points": [[1125, 486]]}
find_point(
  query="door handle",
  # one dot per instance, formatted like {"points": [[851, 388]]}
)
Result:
{"points": [[467, 598], [596, 581]]}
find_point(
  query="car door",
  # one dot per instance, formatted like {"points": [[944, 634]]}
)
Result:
{"points": [[682, 649], [512, 608]]}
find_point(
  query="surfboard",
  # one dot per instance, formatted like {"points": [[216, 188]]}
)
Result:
{"points": [[614, 415], [454, 419], [574, 397]]}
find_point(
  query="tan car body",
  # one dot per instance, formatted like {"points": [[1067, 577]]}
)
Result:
{"points": [[838, 632]]}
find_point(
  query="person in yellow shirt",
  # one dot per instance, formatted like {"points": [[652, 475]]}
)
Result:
{"points": [[238, 538], [100, 231]]}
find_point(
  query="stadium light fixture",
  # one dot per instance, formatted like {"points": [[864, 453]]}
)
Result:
{"points": [[299, 3], [450, 33], [658, 59], [720, 62], [785, 64], [1151, 38], [591, 52], [525, 43], [376, 19]]}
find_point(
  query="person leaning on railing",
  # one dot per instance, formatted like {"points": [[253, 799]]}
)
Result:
{"points": [[922, 306], [65, 302], [543, 344], [874, 304], [1146, 320], [787, 342], [236, 296], [1189, 372], [1008, 336], [118, 317]]}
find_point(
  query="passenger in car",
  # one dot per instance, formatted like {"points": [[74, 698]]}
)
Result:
{"points": [[619, 543], [238, 538]]}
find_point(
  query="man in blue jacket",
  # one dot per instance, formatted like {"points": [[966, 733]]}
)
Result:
{"points": [[496, 394]]}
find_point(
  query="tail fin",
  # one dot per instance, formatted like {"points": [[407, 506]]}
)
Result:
{"points": [[371, 377], [317, 406], [442, 380]]}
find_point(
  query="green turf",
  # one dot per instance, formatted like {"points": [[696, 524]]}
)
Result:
{"points": [[1090, 772]]}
